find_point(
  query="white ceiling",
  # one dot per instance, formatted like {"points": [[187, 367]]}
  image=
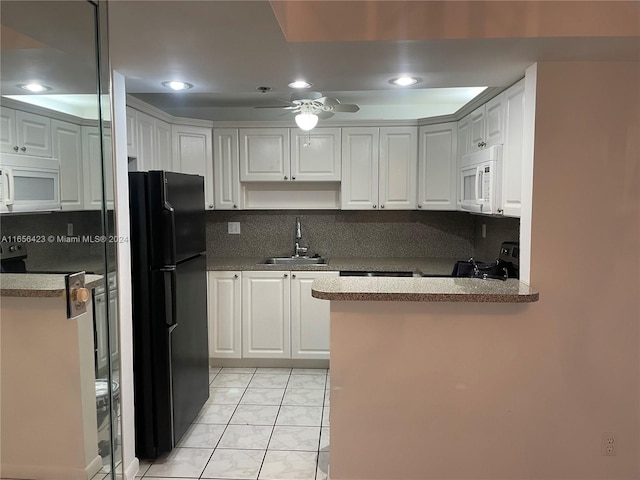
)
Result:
{"points": [[229, 48]]}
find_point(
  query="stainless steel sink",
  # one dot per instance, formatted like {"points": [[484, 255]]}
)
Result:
{"points": [[295, 261]]}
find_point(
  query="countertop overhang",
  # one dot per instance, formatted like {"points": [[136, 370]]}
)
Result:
{"points": [[426, 289], [40, 284]]}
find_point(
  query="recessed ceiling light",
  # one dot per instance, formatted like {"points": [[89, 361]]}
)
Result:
{"points": [[34, 87], [300, 84], [177, 86], [404, 81]]}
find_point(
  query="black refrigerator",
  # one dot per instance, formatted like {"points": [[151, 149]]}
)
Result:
{"points": [[170, 342]]}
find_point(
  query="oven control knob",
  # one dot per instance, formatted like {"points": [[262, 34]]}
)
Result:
{"points": [[12, 248], [19, 247]]}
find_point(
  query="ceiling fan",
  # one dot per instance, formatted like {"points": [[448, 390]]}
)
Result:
{"points": [[311, 106]]}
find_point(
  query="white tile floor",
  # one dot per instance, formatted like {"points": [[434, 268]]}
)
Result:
{"points": [[259, 424]]}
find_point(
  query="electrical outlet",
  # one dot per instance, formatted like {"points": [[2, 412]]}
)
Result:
{"points": [[234, 228], [484, 230], [69, 229], [609, 445]]}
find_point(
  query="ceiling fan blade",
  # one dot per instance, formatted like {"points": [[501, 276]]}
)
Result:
{"points": [[345, 107], [328, 101], [324, 115], [286, 107], [305, 96]]}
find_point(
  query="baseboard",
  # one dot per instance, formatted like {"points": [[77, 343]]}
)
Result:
{"points": [[268, 362], [132, 469], [43, 472]]}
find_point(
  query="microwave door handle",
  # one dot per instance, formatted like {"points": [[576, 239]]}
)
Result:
{"points": [[10, 190], [479, 184]]}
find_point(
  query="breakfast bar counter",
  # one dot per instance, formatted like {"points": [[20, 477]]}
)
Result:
{"points": [[426, 289]]}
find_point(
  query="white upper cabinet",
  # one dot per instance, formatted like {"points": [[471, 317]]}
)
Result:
{"points": [[67, 148], [486, 125], [513, 150], [163, 158], [225, 314], [93, 168], [266, 314], [226, 169], [379, 168], [398, 168], [437, 167], [360, 168], [315, 155], [192, 154], [25, 133], [264, 154], [132, 133], [146, 142]]}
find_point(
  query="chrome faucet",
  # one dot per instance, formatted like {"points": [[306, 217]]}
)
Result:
{"points": [[298, 250]]}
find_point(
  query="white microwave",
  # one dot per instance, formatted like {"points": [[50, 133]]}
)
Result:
{"points": [[29, 184], [481, 181]]}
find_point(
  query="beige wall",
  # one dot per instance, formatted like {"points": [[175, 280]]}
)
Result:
{"points": [[454, 391]]}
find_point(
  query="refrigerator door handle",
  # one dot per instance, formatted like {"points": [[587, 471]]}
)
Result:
{"points": [[169, 227], [170, 297]]}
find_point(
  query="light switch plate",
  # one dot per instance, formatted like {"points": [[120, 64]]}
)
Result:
{"points": [[234, 228]]}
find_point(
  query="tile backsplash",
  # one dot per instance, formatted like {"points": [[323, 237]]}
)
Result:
{"points": [[332, 233]]}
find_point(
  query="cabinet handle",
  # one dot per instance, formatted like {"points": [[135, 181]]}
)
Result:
{"points": [[293, 275], [15, 148], [482, 144], [381, 206], [500, 211], [286, 178], [235, 206], [235, 276], [285, 275], [419, 206], [374, 205], [293, 178], [211, 205], [23, 149]]}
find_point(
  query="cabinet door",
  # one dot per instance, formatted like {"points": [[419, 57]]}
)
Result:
{"points": [[437, 169], [264, 155], [494, 128], [310, 317], [226, 169], [315, 155], [114, 338], [224, 310], [8, 140], [266, 316], [359, 186], [92, 168], [163, 151], [477, 120], [513, 150], [132, 133], [398, 168], [146, 142], [67, 148], [192, 154], [33, 133]]}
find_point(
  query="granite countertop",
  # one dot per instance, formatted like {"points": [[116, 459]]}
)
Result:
{"points": [[408, 289], [420, 266], [40, 284]]}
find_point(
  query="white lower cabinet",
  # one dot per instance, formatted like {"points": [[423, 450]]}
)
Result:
{"points": [[310, 317], [267, 314], [225, 314]]}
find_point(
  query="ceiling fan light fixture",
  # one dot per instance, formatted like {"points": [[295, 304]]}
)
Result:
{"points": [[177, 85], [34, 87], [306, 121], [404, 81], [300, 84]]}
